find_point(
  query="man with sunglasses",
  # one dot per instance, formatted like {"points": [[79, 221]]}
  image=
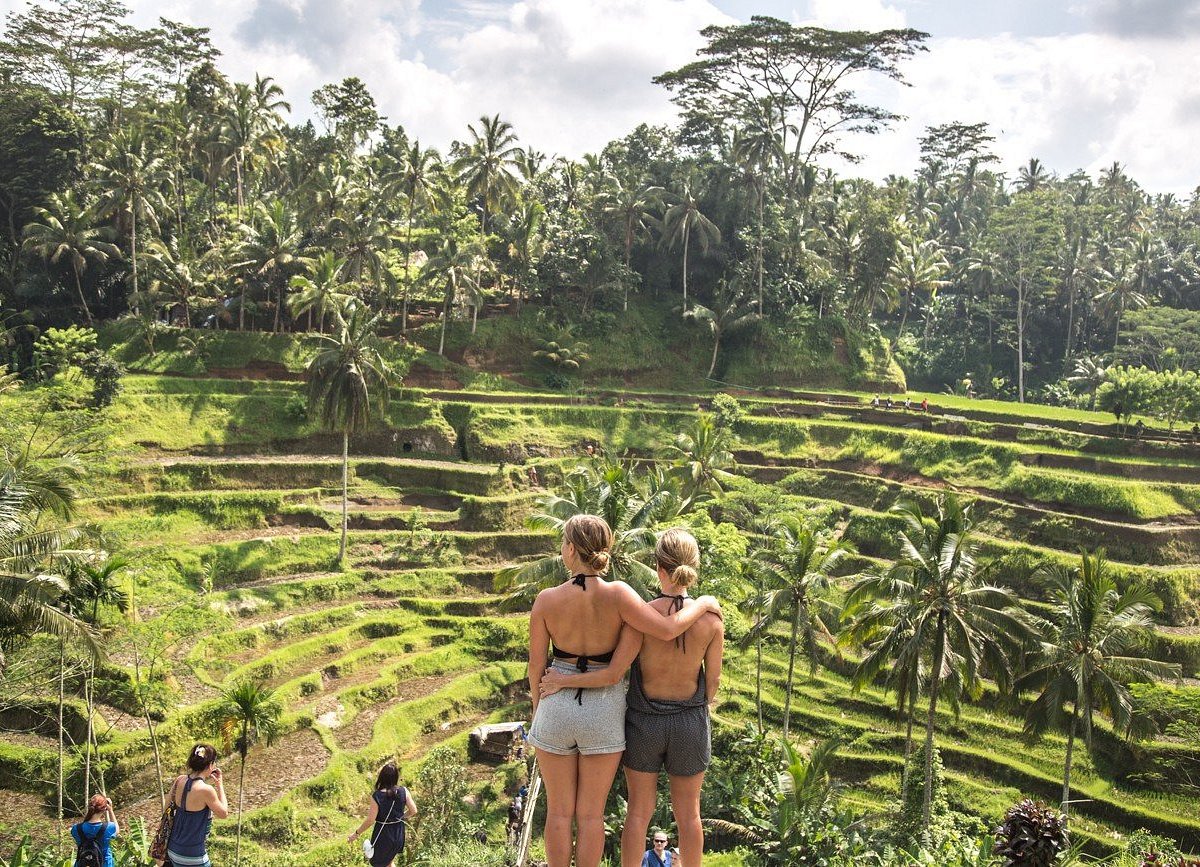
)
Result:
{"points": [[659, 855]]}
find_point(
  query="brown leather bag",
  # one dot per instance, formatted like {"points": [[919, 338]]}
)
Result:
{"points": [[162, 837]]}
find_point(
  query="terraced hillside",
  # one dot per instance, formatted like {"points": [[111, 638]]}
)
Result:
{"points": [[224, 497]]}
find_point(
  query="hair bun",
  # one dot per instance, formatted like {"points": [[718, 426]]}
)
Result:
{"points": [[600, 561], [684, 575]]}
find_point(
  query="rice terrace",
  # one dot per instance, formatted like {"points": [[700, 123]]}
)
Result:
{"points": [[294, 412]]}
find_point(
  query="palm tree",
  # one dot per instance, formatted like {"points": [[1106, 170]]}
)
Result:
{"points": [[631, 503], [321, 291], [455, 268], [702, 458], [1082, 658], [683, 219], [799, 796], [796, 568], [632, 204], [936, 598], [528, 243], [249, 127], [918, 269], [271, 247], [181, 277], [422, 177], [1142, 263], [131, 179], [363, 236], [348, 381], [486, 167], [759, 149], [1032, 176], [90, 586], [1089, 373], [729, 314], [65, 227], [248, 712]]}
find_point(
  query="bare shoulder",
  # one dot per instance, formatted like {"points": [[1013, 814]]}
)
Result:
{"points": [[712, 624], [617, 588]]}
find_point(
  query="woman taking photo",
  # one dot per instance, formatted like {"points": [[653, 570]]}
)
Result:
{"points": [[671, 686], [97, 828], [580, 734], [391, 806], [198, 795]]}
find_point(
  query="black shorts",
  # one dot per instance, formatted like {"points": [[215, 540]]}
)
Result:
{"points": [[681, 742]]}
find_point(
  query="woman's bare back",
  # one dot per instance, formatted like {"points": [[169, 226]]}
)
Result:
{"points": [[584, 622], [670, 670]]}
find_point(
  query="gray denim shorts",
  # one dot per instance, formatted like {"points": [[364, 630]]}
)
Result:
{"points": [[563, 726]]}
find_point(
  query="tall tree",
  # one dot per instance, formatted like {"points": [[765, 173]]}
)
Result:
{"points": [[272, 248], [1084, 656], [348, 382], [798, 564], [322, 290], [728, 314], [919, 269], [631, 203], [422, 178], [682, 219], [66, 228], [486, 166], [455, 269], [247, 712], [935, 596]]}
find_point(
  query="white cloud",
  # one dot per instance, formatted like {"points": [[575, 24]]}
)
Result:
{"points": [[855, 15]]}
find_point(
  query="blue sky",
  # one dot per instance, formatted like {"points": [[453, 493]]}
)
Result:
{"points": [[1076, 83]]}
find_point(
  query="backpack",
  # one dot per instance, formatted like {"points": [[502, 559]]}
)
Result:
{"points": [[88, 853]]}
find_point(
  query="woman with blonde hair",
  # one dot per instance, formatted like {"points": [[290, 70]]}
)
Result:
{"points": [[580, 734], [671, 686]]}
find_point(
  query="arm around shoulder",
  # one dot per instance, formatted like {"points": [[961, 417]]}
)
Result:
{"points": [[644, 618]]}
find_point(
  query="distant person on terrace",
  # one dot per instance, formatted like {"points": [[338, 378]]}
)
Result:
{"points": [[580, 734], [671, 687]]}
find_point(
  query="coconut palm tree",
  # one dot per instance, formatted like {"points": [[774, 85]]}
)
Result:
{"points": [[796, 569], [1032, 176], [348, 382], [1083, 658], [631, 503], [89, 587], [632, 204], [528, 243], [422, 178], [944, 611], [131, 179], [455, 268], [272, 248], [66, 228], [1142, 263], [758, 149], [249, 128], [321, 291], [179, 277], [248, 712], [683, 219], [702, 457], [729, 314], [487, 166], [919, 268], [363, 236]]}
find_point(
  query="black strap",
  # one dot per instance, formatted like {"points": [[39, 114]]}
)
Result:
{"points": [[676, 607], [379, 825], [580, 580], [581, 664]]}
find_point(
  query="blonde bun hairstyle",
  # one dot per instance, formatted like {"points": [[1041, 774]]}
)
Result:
{"points": [[592, 539], [679, 556]]}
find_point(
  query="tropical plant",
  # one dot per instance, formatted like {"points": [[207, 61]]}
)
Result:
{"points": [[919, 269], [486, 166], [795, 570], [702, 458], [347, 383], [1083, 658], [632, 204], [565, 353], [272, 248], [321, 291], [454, 268], [66, 228], [423, 179], [247, 712], [729, 313], [683, 219], [1031, 835], [935, 597]]}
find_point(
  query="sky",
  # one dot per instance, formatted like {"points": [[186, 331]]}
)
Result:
{"points": [[1078, 84]]}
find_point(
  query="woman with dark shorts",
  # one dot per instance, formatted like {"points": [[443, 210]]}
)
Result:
{"points": [[671, 686], [391, 807], [580, 735]]}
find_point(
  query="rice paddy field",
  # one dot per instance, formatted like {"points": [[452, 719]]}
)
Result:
{"points": [[225, 499]]}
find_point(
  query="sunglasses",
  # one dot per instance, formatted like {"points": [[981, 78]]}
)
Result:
{"points": [[664, 842]]}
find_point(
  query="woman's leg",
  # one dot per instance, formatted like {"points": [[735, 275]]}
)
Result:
{"points": [[596, 774], [643, 798], [561, 776], [685, 803]]}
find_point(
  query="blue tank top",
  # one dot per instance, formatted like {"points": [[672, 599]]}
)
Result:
{"points": [[189, 834]]}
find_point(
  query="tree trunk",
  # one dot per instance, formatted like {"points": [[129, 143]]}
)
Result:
{"points": [[87, 748], [79, 289], [237, 858], [716, 345], [903, 316], [1070, 318], [278, 307], [787, 701], [761, 192], [686, 232], [909, 703], [237, 164], [407, 270], [137, 677], [475, 316], [935, 675], [445, 319], [345, 489], [1020, 339], [62, 674], [1066, 794], [137, 303], [628, 258]]}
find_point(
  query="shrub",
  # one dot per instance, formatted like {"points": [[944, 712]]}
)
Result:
{"points": [[1031, 835], [296, 409], [105, 373]]}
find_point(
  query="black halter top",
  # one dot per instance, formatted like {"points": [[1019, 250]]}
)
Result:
{"points": [[582, 660]]}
